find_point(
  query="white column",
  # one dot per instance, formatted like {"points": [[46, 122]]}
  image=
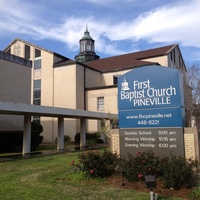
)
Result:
{"points": [[27, 135], [60, 141], [82, 133]]}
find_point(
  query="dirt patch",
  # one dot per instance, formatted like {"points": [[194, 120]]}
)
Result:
{"points": [[116, 181]]}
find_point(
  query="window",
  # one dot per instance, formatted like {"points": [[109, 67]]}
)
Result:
{"points": [[37, 101], [37, 64], [27, 52], [37, 97], [101, 125], [171, 55], [100, 103], [174, 54], [115, 80], [37, 53], [37, 92], [37, 84], [36, 119]]}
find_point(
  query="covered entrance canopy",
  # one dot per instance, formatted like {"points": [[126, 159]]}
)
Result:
{"points": [[30, 110]]}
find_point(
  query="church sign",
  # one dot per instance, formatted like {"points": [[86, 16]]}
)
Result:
{"points": [[151, 108], [150, 118]]}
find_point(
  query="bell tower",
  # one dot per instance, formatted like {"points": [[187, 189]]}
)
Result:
{"points": [[87, 50]]}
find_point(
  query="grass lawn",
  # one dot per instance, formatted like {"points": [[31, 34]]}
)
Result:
{"points": [[51, 177]]}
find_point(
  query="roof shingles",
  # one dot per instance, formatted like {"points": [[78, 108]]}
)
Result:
{"points": [[130, 60]]}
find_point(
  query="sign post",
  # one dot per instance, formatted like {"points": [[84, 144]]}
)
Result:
{"points": [[151, 111]]}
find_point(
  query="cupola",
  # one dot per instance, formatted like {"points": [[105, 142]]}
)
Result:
{"points": [[87, 50]]}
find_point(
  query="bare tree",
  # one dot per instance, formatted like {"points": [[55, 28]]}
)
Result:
{"points": [[192, 92]]}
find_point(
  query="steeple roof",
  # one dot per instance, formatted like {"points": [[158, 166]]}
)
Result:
{"points": [[86, 35]]}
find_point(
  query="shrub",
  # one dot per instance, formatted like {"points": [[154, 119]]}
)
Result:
{"points": [[36, 128], [89, 136], [66, 139], [178, 173], [99, 141], [98, 164], [175, 172], [137, 166], [11, 141]]}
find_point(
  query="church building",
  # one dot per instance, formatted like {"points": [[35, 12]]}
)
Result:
{"points": [[86, 83]]}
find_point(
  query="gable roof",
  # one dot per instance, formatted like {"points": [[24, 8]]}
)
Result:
{"points": [[160, 51], [114, 63], [36, 46], [130, 60]]}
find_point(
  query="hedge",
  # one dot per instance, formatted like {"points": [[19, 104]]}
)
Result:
{"points": [[12, 141]]}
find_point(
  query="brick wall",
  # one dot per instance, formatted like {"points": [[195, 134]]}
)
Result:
{"points": [[191, 140], [114, 140]]}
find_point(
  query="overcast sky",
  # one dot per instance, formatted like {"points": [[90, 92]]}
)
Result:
{"points": [[117, 26]]}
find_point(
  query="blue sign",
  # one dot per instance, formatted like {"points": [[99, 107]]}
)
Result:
{"points": [[151, 118], [151, 111], [150, 87]]}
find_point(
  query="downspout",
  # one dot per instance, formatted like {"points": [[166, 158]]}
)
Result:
{"points": [[53, 103], [84, 89]]}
